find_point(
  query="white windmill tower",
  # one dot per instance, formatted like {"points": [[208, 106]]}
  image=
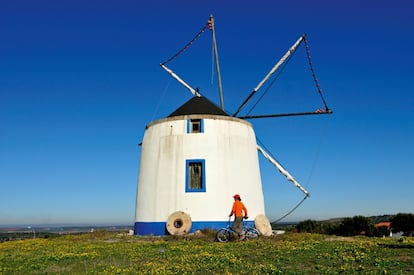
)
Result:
{"points": [[196, 159]]}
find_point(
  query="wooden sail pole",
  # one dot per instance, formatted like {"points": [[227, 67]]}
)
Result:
{"points": [[185, 84], [211, 25]]}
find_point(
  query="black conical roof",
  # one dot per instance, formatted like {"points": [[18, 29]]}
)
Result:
{"points": [[198, 105]]}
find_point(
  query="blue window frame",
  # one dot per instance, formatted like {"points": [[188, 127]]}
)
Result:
{"points": [[195, 125], [195, 175]]}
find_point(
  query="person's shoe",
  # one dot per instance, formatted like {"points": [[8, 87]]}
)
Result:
{"points": [[241, 238]]}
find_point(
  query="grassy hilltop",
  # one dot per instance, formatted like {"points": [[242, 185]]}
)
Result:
{"points": [[105, 252]]}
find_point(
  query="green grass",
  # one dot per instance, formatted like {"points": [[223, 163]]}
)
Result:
{"points": [[112, 253]]}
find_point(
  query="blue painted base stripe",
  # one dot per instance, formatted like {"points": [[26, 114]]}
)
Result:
{"points": [[150, 228], [159, 229]]}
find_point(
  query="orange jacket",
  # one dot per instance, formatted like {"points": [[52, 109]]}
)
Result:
{"points": [[238, 208]]}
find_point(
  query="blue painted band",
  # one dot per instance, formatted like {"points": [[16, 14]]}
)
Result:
{"points": [[159, 229]]}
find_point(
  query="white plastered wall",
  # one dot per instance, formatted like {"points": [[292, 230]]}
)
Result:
{"points": [[228, 146]]}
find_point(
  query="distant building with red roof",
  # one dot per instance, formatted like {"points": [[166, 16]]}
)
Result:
{"points": [[386, 224]]}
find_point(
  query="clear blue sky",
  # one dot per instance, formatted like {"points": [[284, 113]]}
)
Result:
{"points": [[79, 80]]}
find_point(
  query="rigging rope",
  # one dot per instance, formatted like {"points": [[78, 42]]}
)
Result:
{"points": [[290, 212], [187, 45], [318, 87], [161, 99]]}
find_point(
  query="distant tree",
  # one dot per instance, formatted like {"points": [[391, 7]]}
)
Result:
{"points": [[331, 228], [355, 226], [381, 231], [403, 222], [346, 228], [308, 226]]}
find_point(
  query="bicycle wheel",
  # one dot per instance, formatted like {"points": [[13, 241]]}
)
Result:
{"points": [[223, 235], [251, 233]]}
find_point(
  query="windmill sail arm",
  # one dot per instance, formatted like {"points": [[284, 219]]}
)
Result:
{"points": [[317, 112], [191, 89], [272, 71], [283, 170], [280, 62]]}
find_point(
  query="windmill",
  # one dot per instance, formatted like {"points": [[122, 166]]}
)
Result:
{"points": [[194, 161]]}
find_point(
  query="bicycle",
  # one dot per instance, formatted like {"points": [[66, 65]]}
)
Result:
{"points": [[227, 233]]}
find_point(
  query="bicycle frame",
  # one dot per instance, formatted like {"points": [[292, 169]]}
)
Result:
{"points": [[227, 233]]}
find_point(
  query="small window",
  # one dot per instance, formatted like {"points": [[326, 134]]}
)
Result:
{"points": [[195, 176], [195, 126]]}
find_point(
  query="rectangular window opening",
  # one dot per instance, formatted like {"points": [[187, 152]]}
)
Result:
{"points": [[195, 126], [195, 176]]}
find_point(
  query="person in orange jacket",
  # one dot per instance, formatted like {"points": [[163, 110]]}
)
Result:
{"points": [[239, 211]]}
